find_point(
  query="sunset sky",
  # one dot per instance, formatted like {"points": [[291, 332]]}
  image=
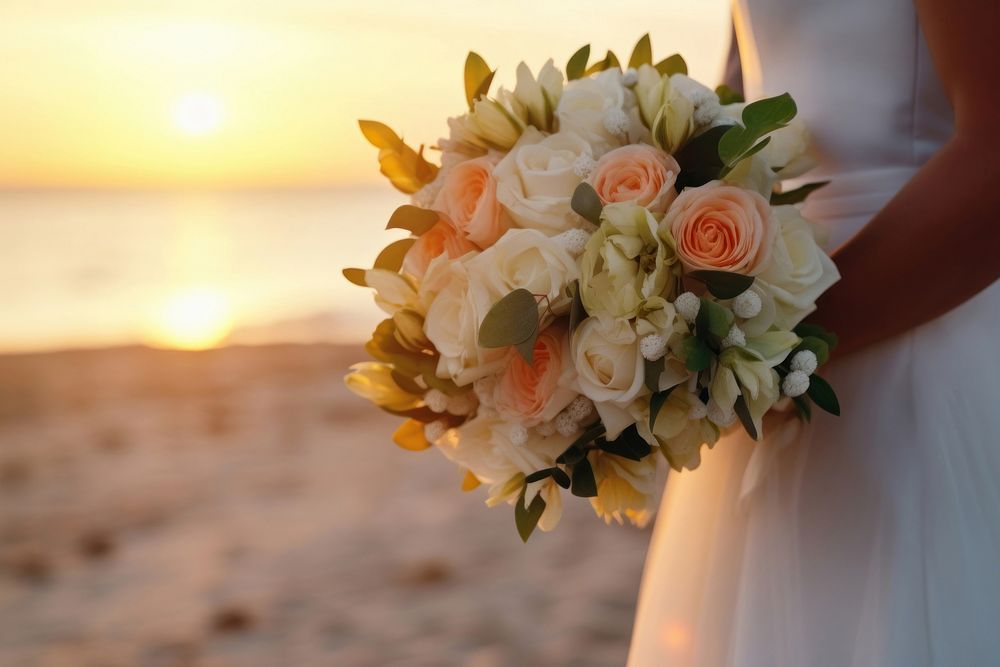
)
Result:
{"points": [[135, 94]]}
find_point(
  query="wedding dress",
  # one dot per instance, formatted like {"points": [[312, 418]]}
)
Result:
{"points": [[872, 538]]}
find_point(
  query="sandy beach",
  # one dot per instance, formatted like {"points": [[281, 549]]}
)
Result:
{"points": [[240, 507]]}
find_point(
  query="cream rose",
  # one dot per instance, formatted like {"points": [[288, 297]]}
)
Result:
{"points": [[624, 263], [536, 180], [588, 105], [608, 363], [455, 307], [441, 239], [799, 270], [637, 173], [526, 259], [536, 392], [721, 227], [468, 198]]}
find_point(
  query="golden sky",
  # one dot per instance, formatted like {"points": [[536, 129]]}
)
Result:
{"points": [[266, 93]]}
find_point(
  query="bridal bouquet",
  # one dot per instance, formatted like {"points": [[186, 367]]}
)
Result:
{"points": [[602, 276]]}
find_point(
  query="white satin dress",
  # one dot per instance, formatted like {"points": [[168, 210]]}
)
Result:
{"points": [[872, 539]]}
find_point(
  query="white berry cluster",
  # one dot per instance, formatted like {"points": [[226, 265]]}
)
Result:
{"points": [[747, 305], [688, 305], [616, 121], [574, 241], [583, 165], [653, 347], [461, 404], [568, 421], [735, 338], [803, 365]]}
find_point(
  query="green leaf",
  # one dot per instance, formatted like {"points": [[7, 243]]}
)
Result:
{"points": [[652, 371], [806, 329], [713, 319], [413, 219], [526, 518], [759, 118], [699, 159], [823, 395], [629, 445], [512, 320], [610, 61], [576, 451], [407, 383], [697, 356], [379, 134], [728, 96], [743, 412], [391, 258], [356, 276], [817, 346], [803, 406], [672, 65], [642, 54], [723, 284], [656, 403], [405, 168], [587, 203], [797, 195], [526, 348], [561, 478], [577, 312], [584, 484], [476, 71], [577, 64], [539, 475]]}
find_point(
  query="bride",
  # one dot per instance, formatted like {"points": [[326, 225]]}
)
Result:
{"points": [[873, 538]]}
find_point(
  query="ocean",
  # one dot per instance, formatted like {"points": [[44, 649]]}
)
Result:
{"points": [[96, 268]]}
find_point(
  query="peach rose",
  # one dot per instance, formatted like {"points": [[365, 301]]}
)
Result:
{"points": [[721, 227], [441, 239], [536, 392], [469, 198], [636, 173]]}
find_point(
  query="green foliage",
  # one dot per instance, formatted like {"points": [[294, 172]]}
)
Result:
{"points": [[697, 355], [804, 407], [699, 159], [759, 119], [478, 77], [642, 54], [629, 444], [797, 195], [356, 276], [405, 168], [723, 284], [577, 312], [822, 394], [513, 320], [557, 474], [651, 373], [806, 329], [817, 346], [578, 449], [656, 403], [728, 96], [413, 219], [610, 61], [587, 203], [391, 257], [743, 412], [672, 65], [526, 518], [577, 64], [584, 485], [713, 321]]}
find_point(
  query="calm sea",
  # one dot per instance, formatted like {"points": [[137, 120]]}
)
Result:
{"points": [[86, 268]]}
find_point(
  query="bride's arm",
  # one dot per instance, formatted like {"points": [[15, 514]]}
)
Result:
{"points": [[936, 244]]}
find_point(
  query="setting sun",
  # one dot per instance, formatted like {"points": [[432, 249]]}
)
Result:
{"points": [[193, 319], [198, 113]]}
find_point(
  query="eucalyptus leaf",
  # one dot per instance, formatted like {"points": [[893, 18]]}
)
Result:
{"points": [[526, 348], [697, 355], [672, 65], [797, 195], [356, 276], [823, 395], [512, 320], [642, 54], [652, 371], [759, 118], [656, 403], [587, 203], [476, 71], [526, 518], [391, 257], [577, 64], [584, 485], [413, 219], [743, 412], [723, 284], [728, 96]]}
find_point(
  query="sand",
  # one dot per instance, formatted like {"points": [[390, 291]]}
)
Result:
{"points": [[240, 507]]}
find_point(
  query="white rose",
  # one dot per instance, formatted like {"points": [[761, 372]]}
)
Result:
{"points": [[609, 366], [799, 270], [586, 104], [536, 180], [526, 259], [539, 96], [456, 307]]}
